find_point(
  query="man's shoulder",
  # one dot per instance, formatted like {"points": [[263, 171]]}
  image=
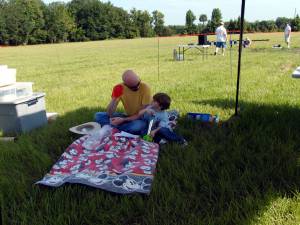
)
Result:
{"points": [[119, 84], [144, 86]]}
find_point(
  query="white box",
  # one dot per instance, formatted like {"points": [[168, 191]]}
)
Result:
{"points": [[7, 76], [24, 89], [15, 91], [23, 115], [3, 67]]}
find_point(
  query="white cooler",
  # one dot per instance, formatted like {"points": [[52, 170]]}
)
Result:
{"points": [[23, 114], [7, 75], [15, 91]]}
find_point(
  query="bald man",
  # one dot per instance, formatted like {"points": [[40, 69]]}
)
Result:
{"points": [[134, 95]]}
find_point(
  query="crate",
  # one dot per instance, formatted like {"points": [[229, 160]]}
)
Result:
{"points": [[7, 76], [15, 91], [23, 114]]}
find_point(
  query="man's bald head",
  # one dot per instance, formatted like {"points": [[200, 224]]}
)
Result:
{"points": [[130, 78]]}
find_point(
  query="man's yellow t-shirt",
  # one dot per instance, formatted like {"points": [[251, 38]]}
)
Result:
{"points": [[134, 101]]}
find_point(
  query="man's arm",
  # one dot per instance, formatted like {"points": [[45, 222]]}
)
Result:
{"points": [[115, 97], [119, 120], [112, 106]]}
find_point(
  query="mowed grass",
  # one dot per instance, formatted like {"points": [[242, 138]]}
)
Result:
{"points": [[246, 171]]}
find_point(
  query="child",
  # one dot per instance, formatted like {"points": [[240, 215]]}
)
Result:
{"points": [[161, 128]]}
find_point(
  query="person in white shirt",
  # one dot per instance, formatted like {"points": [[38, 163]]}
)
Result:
{"points": [[221, 34], [287, 34]]}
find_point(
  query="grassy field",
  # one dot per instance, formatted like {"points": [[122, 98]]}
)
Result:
{"points": [[246, 171]]}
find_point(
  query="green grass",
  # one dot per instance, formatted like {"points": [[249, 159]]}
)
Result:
{"points": [[246, 171]]}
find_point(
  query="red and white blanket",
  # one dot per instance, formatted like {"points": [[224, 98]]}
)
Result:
{"points": [[114, 163]]}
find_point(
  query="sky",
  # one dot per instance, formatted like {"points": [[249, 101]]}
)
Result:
{"points": [[175, 10]]}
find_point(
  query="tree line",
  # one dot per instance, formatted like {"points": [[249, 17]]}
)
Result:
{"points": [[25, 22], [34, 22], [207, 26]]}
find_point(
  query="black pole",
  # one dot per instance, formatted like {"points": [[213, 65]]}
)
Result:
{"points": [[158, 57], [240, 56]]}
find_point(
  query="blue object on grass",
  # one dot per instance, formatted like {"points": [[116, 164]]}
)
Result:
{"points": [[204, 117]]}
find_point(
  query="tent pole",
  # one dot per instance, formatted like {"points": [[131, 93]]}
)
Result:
{"points": [[158, 57], [240, 55]]}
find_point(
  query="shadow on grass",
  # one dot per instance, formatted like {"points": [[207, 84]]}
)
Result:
{"points": [[227, 174]]}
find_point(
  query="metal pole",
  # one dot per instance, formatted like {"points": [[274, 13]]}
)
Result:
{"points": [[158, 58], [240, 55]]}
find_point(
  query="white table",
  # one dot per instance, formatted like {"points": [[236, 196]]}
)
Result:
{"points": [[202, 48]]}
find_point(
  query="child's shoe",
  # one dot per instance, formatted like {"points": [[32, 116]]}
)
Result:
{"points": [[163, 141], [184, 143]]}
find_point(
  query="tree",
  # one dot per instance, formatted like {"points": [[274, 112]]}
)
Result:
{"points": [[216, 18], [232, 25], [92, 17], [177, 29], [158, 22], [3, 31], [203, 18], [267, 26], [189, 22], [281, 22], [58, 22], [142, 20], [24, 22], [246, 24], [295, 23]]}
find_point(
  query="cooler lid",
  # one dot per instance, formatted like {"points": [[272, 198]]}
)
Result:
{"points": [[23, 99]]}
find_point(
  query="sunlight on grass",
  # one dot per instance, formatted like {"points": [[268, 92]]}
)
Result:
{"points": [[281, 211], [225, 176]]}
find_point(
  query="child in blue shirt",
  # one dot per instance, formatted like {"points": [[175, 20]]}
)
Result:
{"points": [[161, 128]]}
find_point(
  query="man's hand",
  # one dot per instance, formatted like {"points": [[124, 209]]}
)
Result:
{"points": [[117, 121]]}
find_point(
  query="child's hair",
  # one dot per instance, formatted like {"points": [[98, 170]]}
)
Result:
{"points": [[163, 100]]}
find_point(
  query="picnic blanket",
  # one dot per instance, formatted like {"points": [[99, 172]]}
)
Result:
{"points": [[113, 162]]}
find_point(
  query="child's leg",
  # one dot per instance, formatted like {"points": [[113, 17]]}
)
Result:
{"points": [[216, 51], [167, 134]]}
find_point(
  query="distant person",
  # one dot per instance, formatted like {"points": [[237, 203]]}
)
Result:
{"points": [[161, 128], [287, 34], [134, 95], [247, 43], [221, 34]]}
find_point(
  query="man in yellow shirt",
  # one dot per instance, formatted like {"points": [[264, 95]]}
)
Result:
{"points": [[134, 95]]}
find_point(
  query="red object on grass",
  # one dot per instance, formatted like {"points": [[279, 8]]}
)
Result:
{"points": [[117, 91]]}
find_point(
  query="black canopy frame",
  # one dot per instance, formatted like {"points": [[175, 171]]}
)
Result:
{"points": [[240, 57]]}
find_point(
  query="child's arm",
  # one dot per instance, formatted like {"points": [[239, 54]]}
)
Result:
{"points": [[136, 116]]}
